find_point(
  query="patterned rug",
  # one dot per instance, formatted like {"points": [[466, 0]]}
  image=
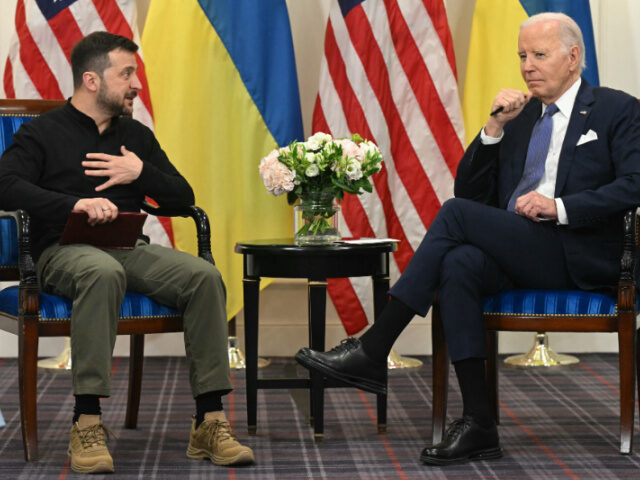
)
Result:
{"points": [[556, 424]]}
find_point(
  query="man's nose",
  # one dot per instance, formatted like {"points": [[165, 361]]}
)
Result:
{"points": [[136, 84], [528, 64]]}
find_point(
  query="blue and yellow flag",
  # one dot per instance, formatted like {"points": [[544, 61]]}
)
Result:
{"points": [[493, 61], [224, 91]]}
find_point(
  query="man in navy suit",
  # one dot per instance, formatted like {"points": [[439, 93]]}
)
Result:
{"points": [[540, 195]]}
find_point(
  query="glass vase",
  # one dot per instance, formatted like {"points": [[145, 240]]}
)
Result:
{"points": [[315, 220]]}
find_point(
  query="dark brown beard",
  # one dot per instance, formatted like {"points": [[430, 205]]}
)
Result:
{"points": [[114, 106]]}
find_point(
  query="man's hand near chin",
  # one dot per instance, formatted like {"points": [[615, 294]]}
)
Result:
{"points": [[100, 210], [508, 104], [536, 207]]}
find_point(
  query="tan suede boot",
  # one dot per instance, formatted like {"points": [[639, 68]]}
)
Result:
{"points": [[87, 447], [214, 440]]}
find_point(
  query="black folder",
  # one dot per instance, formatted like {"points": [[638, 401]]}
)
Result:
{"points": [[122, 233]]}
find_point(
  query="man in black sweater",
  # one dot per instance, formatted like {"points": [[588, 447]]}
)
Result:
{"points": [[85, 156]]}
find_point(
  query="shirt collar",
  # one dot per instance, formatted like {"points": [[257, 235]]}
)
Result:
{"points": [[567, 99], [86, 119], [78, 114]]}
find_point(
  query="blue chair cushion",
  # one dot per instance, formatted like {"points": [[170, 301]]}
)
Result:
{"points": [[8, 243], [9, 124], [551, 302], [53, 307]]}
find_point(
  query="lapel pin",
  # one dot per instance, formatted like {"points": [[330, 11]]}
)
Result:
{"points": [[583, 112]]}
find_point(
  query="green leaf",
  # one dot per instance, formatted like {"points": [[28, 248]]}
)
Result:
{"points": [[340, 184]]}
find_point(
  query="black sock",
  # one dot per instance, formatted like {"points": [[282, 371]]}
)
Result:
{"points": [[379, 339], [86, 405], [208, 402], [473, 387]]}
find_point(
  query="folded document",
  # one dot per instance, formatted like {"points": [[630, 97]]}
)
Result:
{"points": [[367, 241]]}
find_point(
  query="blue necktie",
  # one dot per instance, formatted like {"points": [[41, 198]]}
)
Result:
{"points": [[536, 156]]}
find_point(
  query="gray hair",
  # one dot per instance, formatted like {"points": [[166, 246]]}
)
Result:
{"points": [[569, 31]]}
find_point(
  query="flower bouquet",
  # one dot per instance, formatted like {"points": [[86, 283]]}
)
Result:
{"points": [[317, 172]]}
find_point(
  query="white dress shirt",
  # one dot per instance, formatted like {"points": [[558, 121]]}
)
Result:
{"points": [[547, 185]]}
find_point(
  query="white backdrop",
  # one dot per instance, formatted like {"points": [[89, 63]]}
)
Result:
{"points": [[617, 43]]}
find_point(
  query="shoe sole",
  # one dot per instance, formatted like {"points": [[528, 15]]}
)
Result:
{"points": [[243, 458], [361, 383], [100, 467], [488, 454]]}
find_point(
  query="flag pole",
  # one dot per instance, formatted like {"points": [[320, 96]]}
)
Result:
{"points": [[541, 355], [395, 361], [236, 356], [60, 363]]}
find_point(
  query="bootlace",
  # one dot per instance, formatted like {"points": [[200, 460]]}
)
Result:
{"points": [[217, 430], [456, 427], [346, 344], [94, 435]]}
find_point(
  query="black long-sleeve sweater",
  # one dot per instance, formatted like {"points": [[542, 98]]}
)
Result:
{"points": [[42, 170]]}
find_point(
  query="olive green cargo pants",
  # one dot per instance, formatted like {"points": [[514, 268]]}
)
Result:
{"points": [[96, 280]]}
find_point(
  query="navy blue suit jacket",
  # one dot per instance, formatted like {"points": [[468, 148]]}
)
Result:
{"points": [[597, 181]]}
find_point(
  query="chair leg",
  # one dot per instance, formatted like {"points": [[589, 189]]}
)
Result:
{"points": [[637, 360], [492, 374], [380, 300], [627, 350], [28, 380], [136, 359], [440, 367]]}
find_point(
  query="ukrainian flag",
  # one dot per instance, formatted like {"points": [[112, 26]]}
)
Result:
{"points": [[224, 91], [493, 62]]}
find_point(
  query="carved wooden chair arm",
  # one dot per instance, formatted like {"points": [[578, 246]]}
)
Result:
{"points": [[28, 289], [200, 218], [26, 266], [627, 281]]}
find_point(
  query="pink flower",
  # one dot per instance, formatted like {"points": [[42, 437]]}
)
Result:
{"points": [[276, 177], [350, 150]]}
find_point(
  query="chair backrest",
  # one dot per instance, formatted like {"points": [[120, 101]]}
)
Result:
{"points": [[13, 113]]}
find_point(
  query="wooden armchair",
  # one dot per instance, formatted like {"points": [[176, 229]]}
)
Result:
{"points": [[31, 314], [555, 311]]}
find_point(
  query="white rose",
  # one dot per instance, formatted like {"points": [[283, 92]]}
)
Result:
{"points": [[312, 145], [354, 170], [312, 170], [320, 138], [310, 157], [369, 147]]}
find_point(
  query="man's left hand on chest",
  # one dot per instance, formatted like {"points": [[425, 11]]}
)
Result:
{"points": [[121, 170]]}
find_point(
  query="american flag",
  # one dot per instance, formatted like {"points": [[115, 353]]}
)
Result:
{"points": [[388, 73], [39, 65]]}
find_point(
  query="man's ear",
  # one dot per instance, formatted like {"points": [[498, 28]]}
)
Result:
{"points": [[574, 57], [91, 81]]}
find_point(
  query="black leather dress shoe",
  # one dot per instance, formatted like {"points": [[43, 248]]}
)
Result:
{"points": [[464, 441], [349, 363]]}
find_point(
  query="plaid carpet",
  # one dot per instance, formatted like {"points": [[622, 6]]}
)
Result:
{"points": [[556, 424]]}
